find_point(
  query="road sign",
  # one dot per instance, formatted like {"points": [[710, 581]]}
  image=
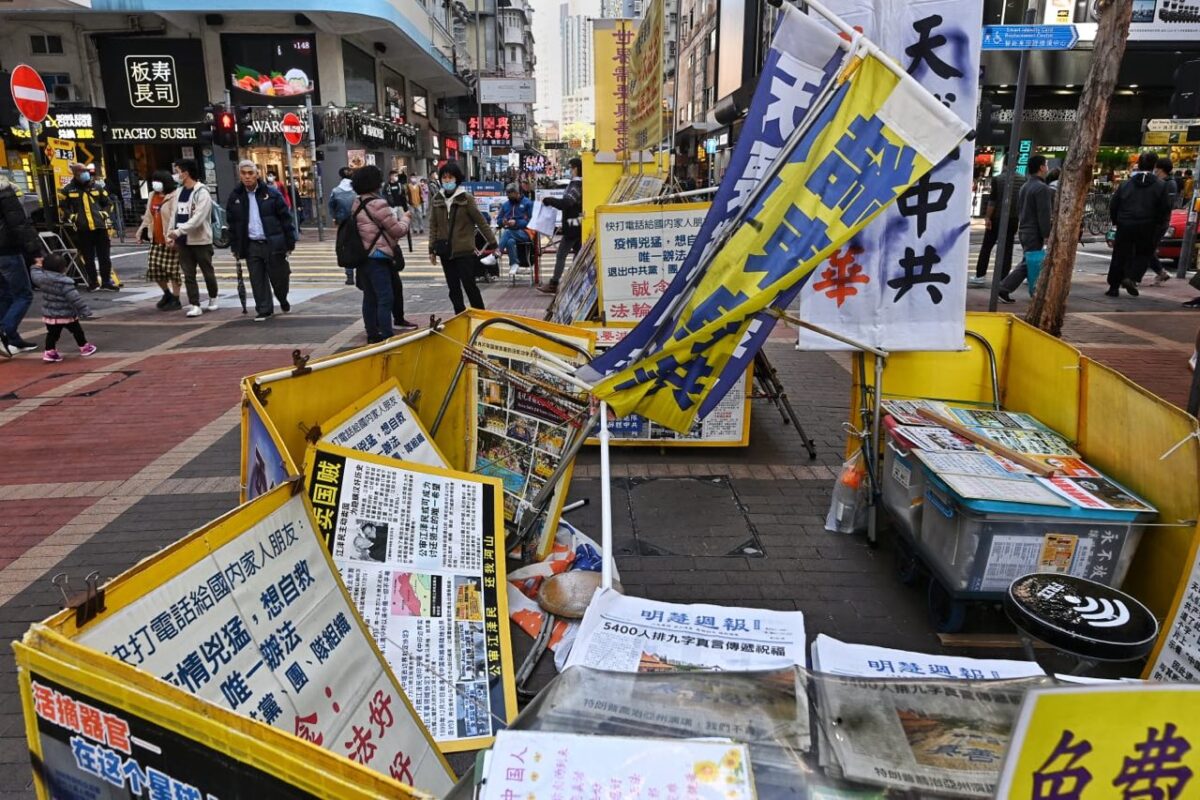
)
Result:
{"points": [[1029, 37], [29, 93], [466, 143], [293, 129]]}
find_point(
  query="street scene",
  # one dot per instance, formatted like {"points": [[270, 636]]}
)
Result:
{"points": [[601, 398]]}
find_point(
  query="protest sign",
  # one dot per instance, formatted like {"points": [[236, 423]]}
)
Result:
{"points": [[247, 614], [1110, 742], [96, 726], [265, 463], [382, 423], [420, 550], [640, 249], [1177, 654]]}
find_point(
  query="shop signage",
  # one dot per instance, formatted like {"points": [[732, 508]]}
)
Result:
{"points": [[270, 69], [495, 130], [142, 86], [261, 124], [508, 90], [518, 122], [153, 133], [370, 131], [75, 125], [1029, 37]]}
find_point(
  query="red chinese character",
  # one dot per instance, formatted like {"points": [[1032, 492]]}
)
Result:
{"points": [[117, 731], [360, 748], [641, 310], [381, 711], [68, 712], [91, 723], [43, 702], [401, 768], [661, 287], [640, 288], [307, 733], [839, 277], [620, 311]]}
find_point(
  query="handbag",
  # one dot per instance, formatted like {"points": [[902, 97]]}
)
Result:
{"points": [[441, 247]]}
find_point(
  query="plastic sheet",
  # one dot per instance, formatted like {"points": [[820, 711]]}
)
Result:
{"points": [[810, 735]]}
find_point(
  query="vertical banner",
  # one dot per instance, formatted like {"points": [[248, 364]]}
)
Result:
{"points": [[646, 81], [900, 284], [612, 41]]}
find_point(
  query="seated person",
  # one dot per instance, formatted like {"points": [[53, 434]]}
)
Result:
{"points": [[514, 217]]}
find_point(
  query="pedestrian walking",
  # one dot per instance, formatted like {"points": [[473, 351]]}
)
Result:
{"points": [[395, 191], [85, 208], [20, 248], [516, 212], [991, 234], [192, 234], [341, 200], [416, 204], [273, 180], [571, 237], [1138, 208], [1162, 171], [1036, 204], [62, 307], [162, 263], [454, 219], [381, 234], [263, 234]]}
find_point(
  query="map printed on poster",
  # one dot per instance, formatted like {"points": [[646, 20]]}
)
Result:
{"points": [[901, 283], [727, 423], [263, 464], [260, 626], [640, 250], [89, 748], [535, 764], [382, 423], [419, 551], [1178, 654]]}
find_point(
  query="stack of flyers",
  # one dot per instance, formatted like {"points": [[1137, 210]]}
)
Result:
{"points": [[906, 412], [979, 463], [1001, 490], [989, 418], [1096, 492], [934, 438], [1034, 442]]}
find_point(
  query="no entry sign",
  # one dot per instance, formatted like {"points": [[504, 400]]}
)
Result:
{"points": [[29, 93], [293, 129]]}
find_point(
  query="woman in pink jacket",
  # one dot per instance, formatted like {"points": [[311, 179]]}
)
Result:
{"points": [[381, 233]]}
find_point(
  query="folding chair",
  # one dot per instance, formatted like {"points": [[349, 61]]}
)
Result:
{"points": [[55, 245]]}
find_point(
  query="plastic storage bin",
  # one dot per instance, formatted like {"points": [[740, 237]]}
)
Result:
{"points": [[976, 546], [903, 486]]}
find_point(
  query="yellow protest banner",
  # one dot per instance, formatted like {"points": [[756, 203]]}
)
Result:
{"points": [[612, 41], [1108, 742], [646, 81], [876, 136]]}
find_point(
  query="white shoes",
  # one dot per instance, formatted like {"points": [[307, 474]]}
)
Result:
{"points": [[195, 311], [976, 283], [212, 304]]}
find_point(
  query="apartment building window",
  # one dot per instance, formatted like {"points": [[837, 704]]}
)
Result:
{"points": [[45, 45]]}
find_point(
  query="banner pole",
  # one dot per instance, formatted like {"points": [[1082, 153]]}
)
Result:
{"points": [[606, 534]]}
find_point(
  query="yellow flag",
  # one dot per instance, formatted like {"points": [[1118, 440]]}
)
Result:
{"points": [[878, 134]]}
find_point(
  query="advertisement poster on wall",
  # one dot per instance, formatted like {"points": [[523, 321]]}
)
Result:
{"points": [[269, 69]]}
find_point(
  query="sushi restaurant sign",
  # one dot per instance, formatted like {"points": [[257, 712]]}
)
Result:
{"points": [[142, 85]]}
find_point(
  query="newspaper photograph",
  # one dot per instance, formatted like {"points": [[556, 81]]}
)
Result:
{"points": [[420, 552], [382, 423], [631, 634]]}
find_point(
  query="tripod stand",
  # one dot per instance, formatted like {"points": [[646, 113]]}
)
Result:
{"points": [[768, 386]]}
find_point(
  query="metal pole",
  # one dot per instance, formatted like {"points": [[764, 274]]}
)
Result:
{"points": [[875, 464], [1189, 232], [606, 534], [1010, 165], [42, 179], [291, 186], [479, 88], [312, 142]]}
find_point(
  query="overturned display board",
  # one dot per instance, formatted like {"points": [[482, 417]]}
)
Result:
{"points": [[382, 423], [1176, 655], [727, 425], [420, 550], [242, 619], [296, 401]]}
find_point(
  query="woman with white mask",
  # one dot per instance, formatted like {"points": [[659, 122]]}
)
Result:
{"points": [[162, 265]]}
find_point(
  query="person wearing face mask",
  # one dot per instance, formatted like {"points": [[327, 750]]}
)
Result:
{"points": [[453, 221], [273, 180], [395, 194], [191, 232], [85, 207], [162, 264], [571, 206], [515, 215]]}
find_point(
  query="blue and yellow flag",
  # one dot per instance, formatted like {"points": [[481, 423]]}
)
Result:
{"points": [[878, 133]]}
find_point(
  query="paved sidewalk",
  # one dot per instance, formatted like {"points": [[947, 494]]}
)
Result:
{"points": [[110, 458]]}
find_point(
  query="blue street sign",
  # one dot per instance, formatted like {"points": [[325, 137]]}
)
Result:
{"points": [[466, 143], [1029, 37]]}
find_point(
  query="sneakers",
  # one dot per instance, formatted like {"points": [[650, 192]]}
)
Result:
{"points": [[51, 357], [977, 283], [173, 305], [87, 350], [1129, 286], [1162, 277], [1193, 303], [195, 311], [405, 325], [551, 288], [285, 306], [213, 305], [4, 348], [1004, 297], [109, 287], [19, 345], [261, 317]]}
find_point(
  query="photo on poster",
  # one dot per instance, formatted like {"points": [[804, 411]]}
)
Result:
{"points": [[369, 542], [946, 742], [264, 466], [468, 598]]}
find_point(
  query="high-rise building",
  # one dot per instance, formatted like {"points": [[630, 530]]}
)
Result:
{"points": [[575, 28]]}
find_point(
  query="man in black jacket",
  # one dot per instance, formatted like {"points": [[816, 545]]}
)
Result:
{"points": [[85, 206], [19, 246], [262, 233], [1036, 204], [571, 206], [1138, 208]]}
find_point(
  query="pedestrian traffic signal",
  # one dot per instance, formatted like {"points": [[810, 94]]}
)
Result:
{"points": [[208, 130], [225, 132], [246, 135]]}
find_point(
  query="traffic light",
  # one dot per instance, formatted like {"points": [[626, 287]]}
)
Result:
{"points": [[224, 128], [1185, 102], [246, 135]]}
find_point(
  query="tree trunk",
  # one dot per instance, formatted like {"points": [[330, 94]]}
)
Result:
{"points": [[1050, 300]]}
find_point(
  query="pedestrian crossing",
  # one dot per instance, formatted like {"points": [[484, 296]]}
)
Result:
{"points": [[315, 264]]}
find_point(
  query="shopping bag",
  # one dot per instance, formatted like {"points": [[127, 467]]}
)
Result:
{"points": [[1033, 267]]}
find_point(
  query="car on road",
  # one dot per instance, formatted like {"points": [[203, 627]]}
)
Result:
{"points": [[1172, 242]]}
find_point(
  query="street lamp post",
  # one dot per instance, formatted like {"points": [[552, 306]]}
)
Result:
{"points": [[479, 86]]}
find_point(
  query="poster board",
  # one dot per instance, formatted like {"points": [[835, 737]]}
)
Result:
{"points": [[152, 731], [639, 250], [1118, 741], [646, 80], [727, 426], [265, 462], [1176, 655], [381, 422], [521, 436], [420, 550], [247, 615]]}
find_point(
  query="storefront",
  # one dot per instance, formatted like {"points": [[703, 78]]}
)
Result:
{"points": [[65, 137]]}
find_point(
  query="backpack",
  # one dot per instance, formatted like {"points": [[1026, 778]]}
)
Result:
{"points": [[349, 247]]}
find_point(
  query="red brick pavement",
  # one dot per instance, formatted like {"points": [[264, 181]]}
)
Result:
{"points": [[1163, 372], [25, 523]]}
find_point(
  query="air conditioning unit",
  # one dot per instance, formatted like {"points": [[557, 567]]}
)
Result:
{"points": [[65, 93]]}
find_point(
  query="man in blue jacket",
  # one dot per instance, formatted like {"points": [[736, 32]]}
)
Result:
{"points": [[261, 232], [515, 214]]}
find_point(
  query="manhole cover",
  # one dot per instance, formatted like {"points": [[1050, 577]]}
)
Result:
{"points": [[698, 516]]}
